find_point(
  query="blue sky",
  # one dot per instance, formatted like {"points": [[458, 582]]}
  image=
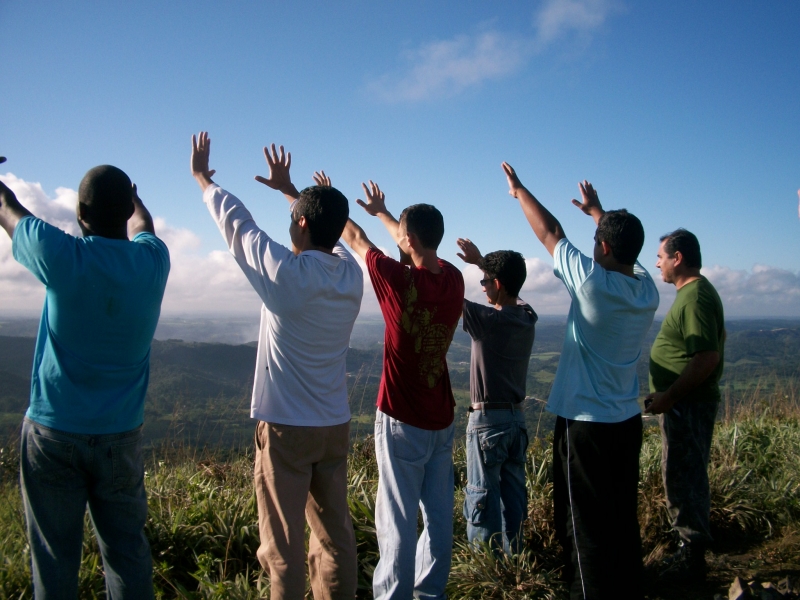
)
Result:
{"points": [[686, 113]]}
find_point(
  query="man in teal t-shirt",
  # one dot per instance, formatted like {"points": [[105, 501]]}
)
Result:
{"points": [[685, 368], [81, 440]]}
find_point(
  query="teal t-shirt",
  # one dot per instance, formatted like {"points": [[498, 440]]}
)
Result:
{"points": [[608, 319], [92, 360], [695, 323]]}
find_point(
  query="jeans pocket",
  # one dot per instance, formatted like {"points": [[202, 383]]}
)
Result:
{"points": [[475, 500], [409, 443], [50, 461], [127, 465], [494, 445]]}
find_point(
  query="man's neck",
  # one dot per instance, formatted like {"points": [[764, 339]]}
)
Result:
{"points": [[506, 301], [427, 259], [688, 277]]}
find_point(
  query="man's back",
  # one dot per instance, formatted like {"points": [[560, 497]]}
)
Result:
{"points": [[91, 364], [609, 317], [421, 310]]}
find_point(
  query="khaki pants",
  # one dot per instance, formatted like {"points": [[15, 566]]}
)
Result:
{"points": [[301, 475]]}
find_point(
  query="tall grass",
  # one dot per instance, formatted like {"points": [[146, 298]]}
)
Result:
{"points": [[204, 536]]}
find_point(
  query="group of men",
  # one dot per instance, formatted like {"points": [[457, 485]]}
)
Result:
{"points": [[81, 438]]}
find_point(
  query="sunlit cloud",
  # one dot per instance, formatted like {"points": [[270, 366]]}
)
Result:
{"points": [[206, 284], [445, 68]]}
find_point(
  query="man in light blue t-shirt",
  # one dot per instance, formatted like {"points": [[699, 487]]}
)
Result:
{"points": [[81, 440], [598, 433]]}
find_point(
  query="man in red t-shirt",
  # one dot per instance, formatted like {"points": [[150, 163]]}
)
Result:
{"points": [[421, 305]]}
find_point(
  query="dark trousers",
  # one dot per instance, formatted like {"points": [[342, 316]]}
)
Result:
{"points": [[686, 433], [595, 490]]}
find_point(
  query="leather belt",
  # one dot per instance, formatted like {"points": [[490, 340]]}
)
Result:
{"points": [[493, 406]]}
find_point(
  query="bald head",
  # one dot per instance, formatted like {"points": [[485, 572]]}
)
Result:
{"points": [[105, 200]]}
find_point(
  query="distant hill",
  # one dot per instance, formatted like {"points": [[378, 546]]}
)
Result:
{"points": [[200, 391]]}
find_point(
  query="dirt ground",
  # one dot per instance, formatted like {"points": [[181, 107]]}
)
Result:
{"points": [[770, 561]]}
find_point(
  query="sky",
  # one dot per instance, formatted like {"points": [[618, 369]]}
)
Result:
{"points": [[686, 113]]}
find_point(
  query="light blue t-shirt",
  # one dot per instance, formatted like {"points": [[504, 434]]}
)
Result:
{"points": [[92, 360], [608, 319]]}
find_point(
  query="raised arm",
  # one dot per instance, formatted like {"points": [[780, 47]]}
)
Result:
{"points": [[11, 211], [355, 237], [141, 221], [201, 151], [544, 224], [590, 204], [279, 178], [469, 252], [375, 205]]}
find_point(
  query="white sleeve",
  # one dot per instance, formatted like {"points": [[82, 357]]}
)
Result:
{"points": [[258, 255]]}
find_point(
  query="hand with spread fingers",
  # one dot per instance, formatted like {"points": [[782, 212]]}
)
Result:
{"points": [[279, 179], [469, 252], [590, 203], [321, 179], [375, 204]]}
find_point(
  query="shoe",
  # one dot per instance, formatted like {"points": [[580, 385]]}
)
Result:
{"points": [[687, 564]]}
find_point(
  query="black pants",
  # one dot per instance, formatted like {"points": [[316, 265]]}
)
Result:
{"points": [[595, 490]]}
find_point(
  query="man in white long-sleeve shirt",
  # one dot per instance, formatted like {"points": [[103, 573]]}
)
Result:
{"points": [[311, 296]]}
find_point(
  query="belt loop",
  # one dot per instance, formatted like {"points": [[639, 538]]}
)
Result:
{"points": [[483, 408]]}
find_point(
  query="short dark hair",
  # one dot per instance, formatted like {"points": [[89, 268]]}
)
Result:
{"points": [[107, 196], [508, 267], [623, 232], [686, 243], [326, 211], [425, 222]]}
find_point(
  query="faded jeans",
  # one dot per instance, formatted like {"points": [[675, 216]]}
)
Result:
{"points": [[60, 473], [496, 501], [416, 469]]}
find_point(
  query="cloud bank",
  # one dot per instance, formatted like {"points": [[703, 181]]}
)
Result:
{"points": [[206, 284], [445, 68]]}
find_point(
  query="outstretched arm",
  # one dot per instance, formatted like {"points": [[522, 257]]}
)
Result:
{"points": [[11, 211], [375, 205], [141, 221], [279, 178], [590, 203], [355, 237], [201, 151], [544, 224], [469, 252]]}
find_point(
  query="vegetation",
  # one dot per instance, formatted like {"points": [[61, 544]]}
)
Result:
{"points": [[203, 531]]}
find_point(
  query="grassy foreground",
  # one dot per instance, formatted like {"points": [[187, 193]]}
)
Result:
{"points": [[203, 531]]}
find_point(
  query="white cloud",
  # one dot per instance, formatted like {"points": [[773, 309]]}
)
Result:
{"points": [[212, 284], [447, 67], [558, 17], [444, 68]]}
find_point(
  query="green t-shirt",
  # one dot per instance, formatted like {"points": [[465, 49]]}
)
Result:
{"points": [[695, 323]]}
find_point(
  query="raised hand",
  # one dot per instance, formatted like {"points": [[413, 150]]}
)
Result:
{"points": [[279, 165], [201, 151], [514, 184], [469, 252], [376, 199], [590, 203], [321, 179]]}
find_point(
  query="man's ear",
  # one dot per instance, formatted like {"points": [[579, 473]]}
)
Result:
{"points": [[606, 248], [413, 241], [302, 223], [678, 258]]}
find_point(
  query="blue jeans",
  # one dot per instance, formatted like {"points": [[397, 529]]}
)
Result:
{"points": [[60, 473], [416, 469], [496, 501]]}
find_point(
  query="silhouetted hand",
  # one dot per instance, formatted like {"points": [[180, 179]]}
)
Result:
{"points": [[279, 165], [590, 203], [201, 152]]}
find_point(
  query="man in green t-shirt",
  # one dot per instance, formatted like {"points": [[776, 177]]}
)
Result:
{"points": [[685, 367]]}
